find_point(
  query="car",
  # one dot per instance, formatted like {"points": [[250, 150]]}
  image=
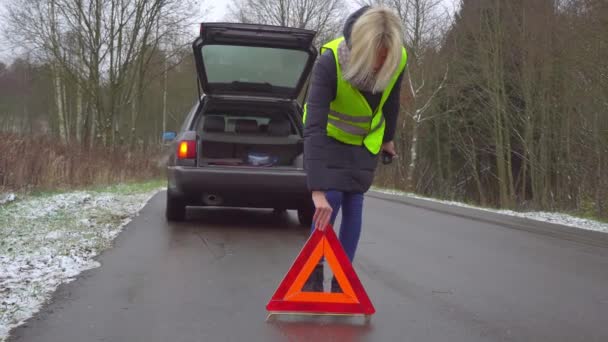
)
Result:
{"points": [[241, 145]]}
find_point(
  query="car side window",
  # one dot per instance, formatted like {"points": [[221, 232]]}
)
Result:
{"points": [[190, 117]]}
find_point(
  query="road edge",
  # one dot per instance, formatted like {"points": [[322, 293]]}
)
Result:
{"points": [[589, 237]]}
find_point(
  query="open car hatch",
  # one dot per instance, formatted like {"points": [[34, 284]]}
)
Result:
{"points": [[254, 60]]}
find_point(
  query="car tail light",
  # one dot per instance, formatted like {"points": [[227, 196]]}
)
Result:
{"points": [[186, 149]]}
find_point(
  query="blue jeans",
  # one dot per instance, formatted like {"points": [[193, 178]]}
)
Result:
{"points": [[352, 214]]}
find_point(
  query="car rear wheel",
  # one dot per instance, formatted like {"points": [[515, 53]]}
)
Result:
{"points": [[175, 210], [305, 216]]}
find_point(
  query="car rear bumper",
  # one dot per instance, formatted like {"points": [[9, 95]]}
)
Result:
{"points": [[235, 186]]}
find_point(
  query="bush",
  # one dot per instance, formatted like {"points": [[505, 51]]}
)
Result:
{"points": [[43, 163]]}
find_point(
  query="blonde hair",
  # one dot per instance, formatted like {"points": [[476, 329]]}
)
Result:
{"points": [[377, 28]]}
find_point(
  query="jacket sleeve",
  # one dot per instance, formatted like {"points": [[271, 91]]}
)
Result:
{"points": [[321, 93], [391, 110]]}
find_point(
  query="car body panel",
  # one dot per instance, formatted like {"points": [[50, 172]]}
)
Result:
{"points": [[248, 187]]}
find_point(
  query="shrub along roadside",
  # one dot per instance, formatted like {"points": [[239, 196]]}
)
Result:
{"points": [[42, 163]]}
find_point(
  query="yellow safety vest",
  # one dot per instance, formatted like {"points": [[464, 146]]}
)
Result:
{"points": [[351, 120]]}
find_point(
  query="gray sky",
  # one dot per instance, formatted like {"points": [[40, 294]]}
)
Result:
{"points": [[4, 51], [217, 13], [221, 8]]}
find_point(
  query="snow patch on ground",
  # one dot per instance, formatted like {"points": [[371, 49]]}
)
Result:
{"points": [[46, 241], [557, 218], [7, 198]]}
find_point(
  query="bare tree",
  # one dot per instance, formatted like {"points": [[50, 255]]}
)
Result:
{"points": [[105, 48], [323, 16]]}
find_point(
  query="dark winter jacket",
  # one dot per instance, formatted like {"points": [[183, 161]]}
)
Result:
{"points": [[330, 164]]}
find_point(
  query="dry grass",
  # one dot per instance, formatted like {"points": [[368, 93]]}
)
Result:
{"points": [[42, 163]]}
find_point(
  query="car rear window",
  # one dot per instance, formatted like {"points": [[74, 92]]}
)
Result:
{"points": [[277, 67]]}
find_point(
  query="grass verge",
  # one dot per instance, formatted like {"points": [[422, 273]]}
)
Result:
{"points": [[49, 238]]}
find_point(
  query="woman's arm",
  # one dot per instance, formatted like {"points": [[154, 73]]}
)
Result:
{"points": [[321, 93]]}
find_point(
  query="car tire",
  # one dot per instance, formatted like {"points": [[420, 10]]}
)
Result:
{"points": [[175, 210], [305, 216]]}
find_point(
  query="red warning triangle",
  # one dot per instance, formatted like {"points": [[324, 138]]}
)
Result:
{"points": [[289, 296]]}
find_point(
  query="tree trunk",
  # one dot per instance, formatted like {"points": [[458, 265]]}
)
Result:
{"points": [[57, 85], [66, 111], [499, 142], [93, 126], [165, 91], [413, 156], [438, 151], [475, 170], [598, 156], [527, 156], [79, 114]]}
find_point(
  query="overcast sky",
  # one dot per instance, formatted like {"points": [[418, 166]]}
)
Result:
{"points": [[3, 46], [217, 13], [221, 8]]}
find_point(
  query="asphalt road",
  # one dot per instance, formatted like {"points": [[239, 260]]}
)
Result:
{"points": [[431, 277]]}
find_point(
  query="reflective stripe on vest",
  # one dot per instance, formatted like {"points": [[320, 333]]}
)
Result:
{"points": [[346, 117], [355, 130]]}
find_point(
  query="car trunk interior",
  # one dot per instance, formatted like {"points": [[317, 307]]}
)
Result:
{"points": [[249, 136]]}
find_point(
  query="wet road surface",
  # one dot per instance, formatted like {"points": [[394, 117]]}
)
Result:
{"points": [[431, 277]]}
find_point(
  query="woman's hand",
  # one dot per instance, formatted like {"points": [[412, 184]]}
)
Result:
{"points": [[389, 147], [323, 210]]}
